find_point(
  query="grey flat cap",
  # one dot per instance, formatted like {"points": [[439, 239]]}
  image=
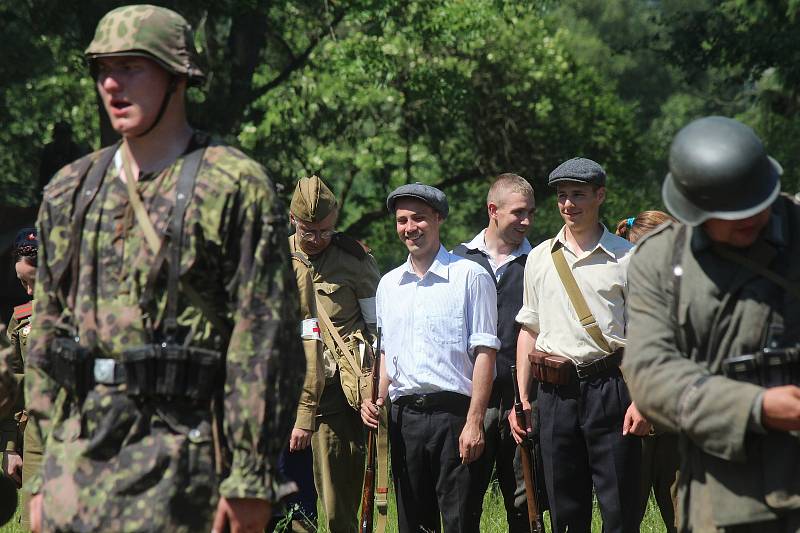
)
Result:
{"points": [[578, 169], [430, 195]]}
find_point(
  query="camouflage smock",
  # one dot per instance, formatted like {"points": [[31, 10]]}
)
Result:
{"points": [[113, 463], [11, 425]]}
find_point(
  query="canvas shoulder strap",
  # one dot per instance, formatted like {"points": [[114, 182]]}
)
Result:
{"points": [[382, 475], [337, 338], [585, 316], [183, 194]]}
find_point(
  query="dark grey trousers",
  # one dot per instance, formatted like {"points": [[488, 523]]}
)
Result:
{"points": [[582, 445]]}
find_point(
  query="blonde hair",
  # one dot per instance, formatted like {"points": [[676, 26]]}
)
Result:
{"points": [[509, 183], [635, 228]]}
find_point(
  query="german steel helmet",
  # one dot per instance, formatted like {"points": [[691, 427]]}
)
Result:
{"points": [[718, 168], [148, 31]]}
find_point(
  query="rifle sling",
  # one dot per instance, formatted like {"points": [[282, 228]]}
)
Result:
{"points": [[585, 316]]}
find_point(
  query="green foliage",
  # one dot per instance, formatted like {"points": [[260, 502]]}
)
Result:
{"points": [[371, 94]]}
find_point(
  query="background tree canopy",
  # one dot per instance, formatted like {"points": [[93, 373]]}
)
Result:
{"points": [[371, 94]]}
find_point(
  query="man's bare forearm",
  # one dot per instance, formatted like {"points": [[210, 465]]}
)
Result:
{"points": [[482, 381], [526, 342]]}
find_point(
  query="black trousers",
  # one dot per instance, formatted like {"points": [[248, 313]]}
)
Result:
{"points": [[428, 475], [502, 456], [582, 445]]}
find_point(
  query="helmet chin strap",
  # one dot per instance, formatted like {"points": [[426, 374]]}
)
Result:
{"points": [[173, 84]]}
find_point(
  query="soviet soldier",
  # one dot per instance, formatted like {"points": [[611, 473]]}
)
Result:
{"points": [[17, 435], [166, 312], [345, 278], [714, 330]]}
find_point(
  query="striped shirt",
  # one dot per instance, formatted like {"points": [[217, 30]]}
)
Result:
{"points": [[432, 325]]}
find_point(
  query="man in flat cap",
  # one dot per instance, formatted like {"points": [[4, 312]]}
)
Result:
{"points": [[571, 342], [345, 278], [438, 314]]}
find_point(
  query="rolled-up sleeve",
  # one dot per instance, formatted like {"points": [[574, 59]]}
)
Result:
{"points": [[483, 313], [528, 314]]}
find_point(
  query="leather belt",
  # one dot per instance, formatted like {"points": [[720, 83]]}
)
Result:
{"points": [[587, 371], [436, 401]]}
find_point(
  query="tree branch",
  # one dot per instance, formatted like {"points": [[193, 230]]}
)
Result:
{"points": [[356, 228], [300, 60]]}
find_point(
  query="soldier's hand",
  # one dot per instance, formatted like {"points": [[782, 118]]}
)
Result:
{"points": [[370, 413], [780, 408], [300, 439], [517, 431], [241, 515], [635, 423], [12, 463], [471, 442], [35, 511]]}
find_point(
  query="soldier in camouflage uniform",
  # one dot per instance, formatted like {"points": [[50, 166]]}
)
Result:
{"points": [[164, 294], [15, 428], [345, 278], [714, 331]]}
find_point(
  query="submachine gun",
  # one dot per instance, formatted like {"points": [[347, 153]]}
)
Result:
{"points": [[530, 468], [772, 366]]}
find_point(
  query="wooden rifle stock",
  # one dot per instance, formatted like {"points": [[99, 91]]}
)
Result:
{"points": [[535, 517], [368, 496]]}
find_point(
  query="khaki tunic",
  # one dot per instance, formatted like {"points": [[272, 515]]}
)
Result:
{"points": [[341, 279], [732, 471], [315, 378]]}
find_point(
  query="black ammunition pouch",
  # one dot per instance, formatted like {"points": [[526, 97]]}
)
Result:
{"points": [[170, 371], [71, 366], [769, 367]]}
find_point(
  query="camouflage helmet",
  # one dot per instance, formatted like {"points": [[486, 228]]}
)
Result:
{"points": [[148, 31], [718, 168]]}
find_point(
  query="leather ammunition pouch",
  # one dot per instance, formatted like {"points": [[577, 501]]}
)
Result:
{"points": [[770, 367], [170, 371], [560, 370], [71, 366], [553, 369]]}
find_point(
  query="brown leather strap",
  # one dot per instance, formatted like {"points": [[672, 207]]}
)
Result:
{"points": [[585, 316]]}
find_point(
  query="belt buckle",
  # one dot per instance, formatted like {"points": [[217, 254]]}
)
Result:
{"points": [[104, 371], [420, 401], [583, 370]]}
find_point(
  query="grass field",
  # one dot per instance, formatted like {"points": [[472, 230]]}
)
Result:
{"points": [[492, 521]]}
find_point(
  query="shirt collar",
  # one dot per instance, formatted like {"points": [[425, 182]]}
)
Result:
{"points": [[608, 243], [479, 243], [440, 267]]}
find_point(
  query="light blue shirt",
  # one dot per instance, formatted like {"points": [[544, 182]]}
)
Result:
{"points": [[432, 325]]}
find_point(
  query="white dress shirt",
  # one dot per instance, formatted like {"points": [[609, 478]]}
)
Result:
{"points": [[432, 325], [601, 274], [479, 243]]}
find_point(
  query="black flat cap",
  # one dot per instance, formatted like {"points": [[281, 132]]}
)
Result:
{"points": [[430, 195], [578, 169]]}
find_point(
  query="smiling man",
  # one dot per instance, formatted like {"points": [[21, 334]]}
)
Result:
{"points": [[502, 248], [164, 288], [438, 314], [573, 314]]}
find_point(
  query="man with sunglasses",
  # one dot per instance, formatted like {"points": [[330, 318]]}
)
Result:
{"points": [[345, 279]]}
